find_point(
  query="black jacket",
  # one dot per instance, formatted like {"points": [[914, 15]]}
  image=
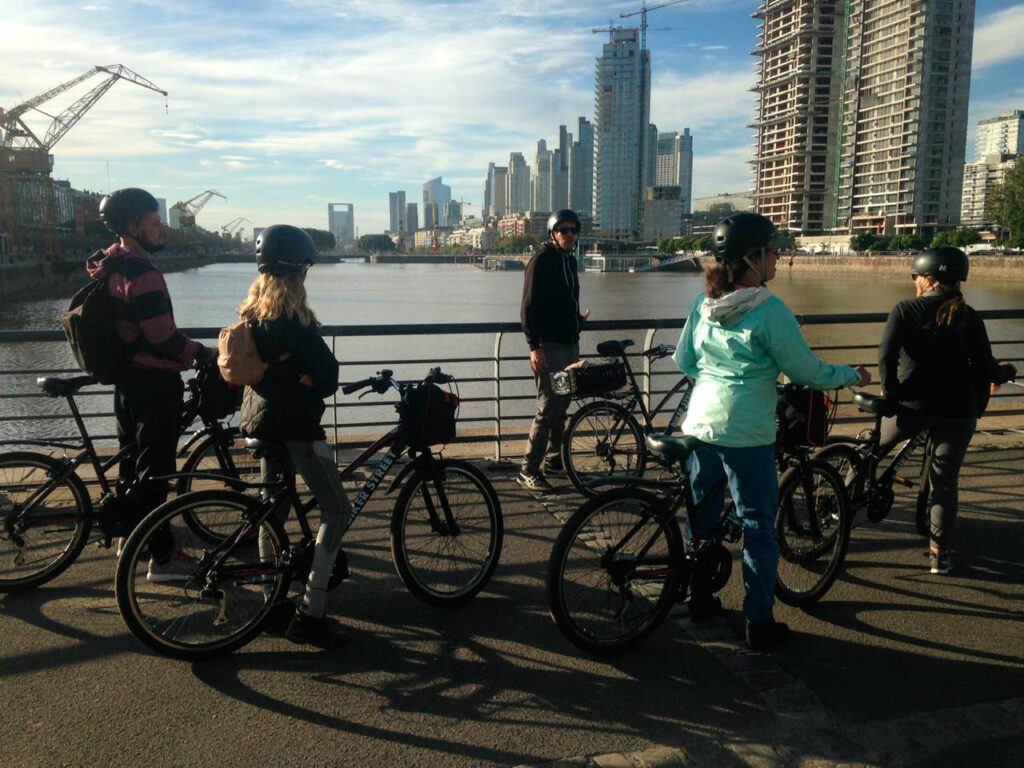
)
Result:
{"points": [[938, 371], [280, 407], [550, 310]]}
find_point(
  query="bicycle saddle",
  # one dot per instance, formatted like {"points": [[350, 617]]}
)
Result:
{"points": [[613, 348], [674, 448], [266, 449], [56, 387], [875, 404]]}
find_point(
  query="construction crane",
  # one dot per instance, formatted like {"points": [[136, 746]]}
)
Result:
{"points": [[644, 8], [233, 227], [28, 205], [34, 155], [188, 210]]}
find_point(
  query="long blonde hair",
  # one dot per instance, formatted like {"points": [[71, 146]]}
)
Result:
{"points": [[272, 296]]}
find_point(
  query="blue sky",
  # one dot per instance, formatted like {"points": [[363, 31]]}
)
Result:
{"points": [[288, 105]]}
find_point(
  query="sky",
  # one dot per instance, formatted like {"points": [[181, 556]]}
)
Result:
{"points": [[288, 105]]}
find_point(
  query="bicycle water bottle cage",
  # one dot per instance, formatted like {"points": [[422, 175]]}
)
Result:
{"points": [[875, 404], [613, 348]]}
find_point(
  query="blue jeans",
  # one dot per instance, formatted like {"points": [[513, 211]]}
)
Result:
{"points": [[754, 484]]}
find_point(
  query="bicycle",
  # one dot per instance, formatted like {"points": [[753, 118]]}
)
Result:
{"points": [[604, 442], [446, 539], [857, 462], [621, 562], [46, 511]]}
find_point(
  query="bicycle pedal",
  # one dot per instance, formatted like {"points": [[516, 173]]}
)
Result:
{"points": [[905, 482]]}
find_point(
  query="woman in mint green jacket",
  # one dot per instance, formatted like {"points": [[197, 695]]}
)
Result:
{"points": [[738, 338]]}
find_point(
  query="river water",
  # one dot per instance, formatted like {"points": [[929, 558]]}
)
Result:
{"points": [[363, 294]]}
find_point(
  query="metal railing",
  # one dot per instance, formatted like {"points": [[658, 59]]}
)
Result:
{"points": [[496, 387]]}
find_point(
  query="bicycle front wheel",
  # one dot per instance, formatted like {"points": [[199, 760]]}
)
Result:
{"points": [[813, 530], [213, 599], [603, 448], [615, 571], [207, 457], [43, 523], [446, 562], [846, 460]]}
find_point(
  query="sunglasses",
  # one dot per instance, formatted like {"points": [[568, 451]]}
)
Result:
{"points": [[566, 230]]}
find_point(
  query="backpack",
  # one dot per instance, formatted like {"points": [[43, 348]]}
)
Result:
{"points": [[237, 357], [430, 413], [89, 325], [804, 416]]}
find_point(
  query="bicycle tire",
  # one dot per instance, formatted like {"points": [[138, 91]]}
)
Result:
{"points": [[848, 463], [812, 537], [193, 619], [595, 460], [49, 539], [603, 603], [203, 458], [438, 567]]}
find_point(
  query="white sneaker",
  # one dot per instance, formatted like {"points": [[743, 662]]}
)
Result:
{"points": [[180, 566]]}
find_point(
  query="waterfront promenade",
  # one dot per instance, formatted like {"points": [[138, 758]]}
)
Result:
{"points": [[895, 667]]}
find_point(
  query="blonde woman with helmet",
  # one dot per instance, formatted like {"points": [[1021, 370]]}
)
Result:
{"points": [[286, 406]]}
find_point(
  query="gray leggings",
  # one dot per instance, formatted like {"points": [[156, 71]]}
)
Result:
{"points": [[950, 438], [314, 463]]}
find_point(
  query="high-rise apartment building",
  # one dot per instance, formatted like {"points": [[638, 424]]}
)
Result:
{"points": [[1000, 143], [903, 129], [650, 156], [622, 111], [540, 198], [497, 184], [396, 212], [861, 116], [412, 218], [434, 191], [341, 222], [581, 169], [1001, 135], [518, 183], [674, 165], [797, 102], [559, 180]]}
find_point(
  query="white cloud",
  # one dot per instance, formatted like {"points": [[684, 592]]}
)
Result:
{"points": [[997, 38]]}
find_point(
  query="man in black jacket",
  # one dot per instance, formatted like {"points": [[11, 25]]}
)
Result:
{"points": [[551, 318]]}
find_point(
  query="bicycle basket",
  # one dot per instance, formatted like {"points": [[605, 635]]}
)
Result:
{"points": [[217, 398], [589, 379], [430, 414], [804, 415]]}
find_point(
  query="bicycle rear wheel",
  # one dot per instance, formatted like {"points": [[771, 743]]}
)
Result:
{"points": [[813, 529], [215, 604], [38, 545], [439, 565], [603, 448], [615, 571]]}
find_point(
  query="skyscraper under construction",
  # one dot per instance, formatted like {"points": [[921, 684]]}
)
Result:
{"points": [[862, 113]]}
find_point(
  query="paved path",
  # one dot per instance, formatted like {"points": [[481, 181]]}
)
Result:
{"points": [[894, 667]]}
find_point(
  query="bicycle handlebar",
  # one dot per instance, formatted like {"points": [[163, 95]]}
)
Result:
{"points": [[384, 381], [660, 351]]}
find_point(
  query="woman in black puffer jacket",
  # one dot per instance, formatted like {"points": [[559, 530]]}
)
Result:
{"points": [[286, 406]]}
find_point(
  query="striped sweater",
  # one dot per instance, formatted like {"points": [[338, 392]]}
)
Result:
{"points": [[144, 316]]}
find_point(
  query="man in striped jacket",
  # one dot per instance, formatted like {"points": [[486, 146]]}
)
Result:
{"points": [[148, 398]]}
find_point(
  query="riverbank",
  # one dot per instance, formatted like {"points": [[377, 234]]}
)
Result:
{"points": [[988, 266]]}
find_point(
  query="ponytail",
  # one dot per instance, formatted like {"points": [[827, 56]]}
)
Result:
{"points": [[721, 279], [949, 312]]}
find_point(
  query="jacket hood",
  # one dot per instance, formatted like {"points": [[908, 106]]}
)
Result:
{"points": [[99, 265], [733, 307]]}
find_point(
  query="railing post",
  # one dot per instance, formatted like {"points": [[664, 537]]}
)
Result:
{"points": [[497, 395], [334, 403], [648, 341]]}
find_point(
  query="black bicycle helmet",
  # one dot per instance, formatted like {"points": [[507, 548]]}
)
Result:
{"points": [[740, 235], [564, 214], [126, 206], [945, 264], [282, 248]]}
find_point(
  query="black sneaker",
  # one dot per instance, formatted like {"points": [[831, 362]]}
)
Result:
{"points": [[534, 481], [279, 618], [762, 635], [553, 467], [703, 608], [322, 632]]}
